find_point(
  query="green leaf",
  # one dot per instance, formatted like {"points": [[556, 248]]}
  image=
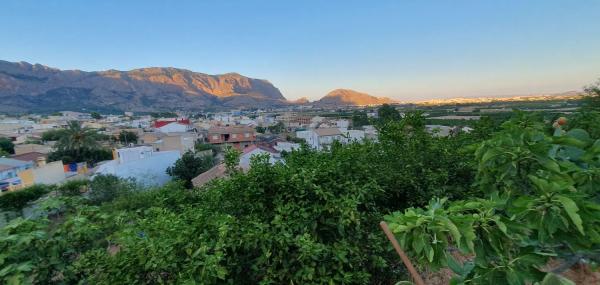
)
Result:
{"points": [[571, 209], [553, 279], [430, 253]]}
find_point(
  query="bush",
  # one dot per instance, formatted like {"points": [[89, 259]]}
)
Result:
{"points": [[105, 188], [16, 200], [73, 187]]}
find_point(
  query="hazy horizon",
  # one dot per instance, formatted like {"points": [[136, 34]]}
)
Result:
{"points": [[408, 51]]}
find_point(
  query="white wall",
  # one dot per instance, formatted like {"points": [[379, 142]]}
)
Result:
{"points": [[51, 173], [150, 171], [310, 137]]}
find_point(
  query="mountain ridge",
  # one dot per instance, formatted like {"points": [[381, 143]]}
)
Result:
{"points": [[35, 87]]}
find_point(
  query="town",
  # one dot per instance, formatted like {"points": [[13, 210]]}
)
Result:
{"points": [[143, 146]]}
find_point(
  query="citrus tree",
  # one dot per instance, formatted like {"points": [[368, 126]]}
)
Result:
{"points": [[541, 203]]}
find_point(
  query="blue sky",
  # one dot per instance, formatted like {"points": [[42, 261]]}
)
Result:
{"points": [[407, 50]]}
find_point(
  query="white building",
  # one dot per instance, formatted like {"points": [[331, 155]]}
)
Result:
{"points": [[321, 138], [342, 124], [174, 126], [286, 146], [147, 167]]}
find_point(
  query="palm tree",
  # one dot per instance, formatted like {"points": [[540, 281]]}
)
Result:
{"points": [[76, 139]]}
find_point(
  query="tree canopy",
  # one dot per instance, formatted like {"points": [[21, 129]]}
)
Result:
{"points": [[189, 166], [7, 146], [79, 144]]}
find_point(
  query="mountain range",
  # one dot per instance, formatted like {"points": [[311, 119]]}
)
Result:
{"points": [[37, 88], [28, 87]]}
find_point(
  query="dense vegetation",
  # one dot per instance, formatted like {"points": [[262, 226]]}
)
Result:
{"points": [[516, 196]]}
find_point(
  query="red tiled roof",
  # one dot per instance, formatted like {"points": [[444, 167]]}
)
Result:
{"points": [[216, 172], [159, 124]]}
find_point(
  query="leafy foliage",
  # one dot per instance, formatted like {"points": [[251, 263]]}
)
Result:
{"points": [[105, 188], [359, 119], [388, 113], [232, 158], [96, 115], [73, 187], [127, 137], [189, 166], [541, 202], [7, 146], [277, 128], [53, 134], [78, 144], [16, 200]]}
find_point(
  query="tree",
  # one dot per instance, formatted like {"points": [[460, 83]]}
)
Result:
{"points": [[359, 119], [96, 115], [105, 188], [201, 146], [592, 98], [77, 138], [127, 137], [7, 146], [53, 135], [277, 128], [189, 166], [77, 144], [388, 113], [260, 129]]}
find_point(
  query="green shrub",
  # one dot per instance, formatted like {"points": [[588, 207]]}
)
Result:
{"points": [[105, 188], [16, 200], [73, 187]]}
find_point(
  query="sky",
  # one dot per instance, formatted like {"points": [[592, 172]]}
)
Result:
{"points": [[403, 49]]}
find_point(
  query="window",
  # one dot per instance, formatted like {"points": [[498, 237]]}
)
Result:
{"points": [[247, 135], [233, 136], [215, 137]]}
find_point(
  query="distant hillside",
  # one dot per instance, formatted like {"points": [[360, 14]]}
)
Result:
{"points": [[570, 95], [300, 101], [340, 97], [26, 87]]}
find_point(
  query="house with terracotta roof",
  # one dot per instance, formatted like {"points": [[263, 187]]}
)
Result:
{"points": [[30, 156], [218, 171], [172, 125], [239, 137]]}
